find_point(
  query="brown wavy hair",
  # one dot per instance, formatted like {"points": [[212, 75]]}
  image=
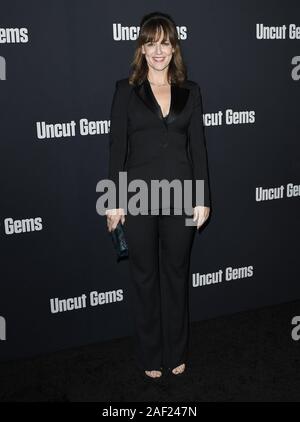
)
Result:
{"points": [[150, 30]]}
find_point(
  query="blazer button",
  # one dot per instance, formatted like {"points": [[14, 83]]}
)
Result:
{"points": [[164, 143]]}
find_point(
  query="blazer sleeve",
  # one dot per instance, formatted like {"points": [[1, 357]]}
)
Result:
{"points": [[197, 145], [117, 137]]}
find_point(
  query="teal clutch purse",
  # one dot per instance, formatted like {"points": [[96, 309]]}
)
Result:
{"points": [[119, 242]]}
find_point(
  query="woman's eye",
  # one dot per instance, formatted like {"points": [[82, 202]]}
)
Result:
{"points": [[151, 44]]}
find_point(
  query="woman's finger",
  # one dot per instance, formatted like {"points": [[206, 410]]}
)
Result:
{"points": [[200, 222], [196, 214]]}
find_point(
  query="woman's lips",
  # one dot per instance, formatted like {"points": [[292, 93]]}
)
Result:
{"points": [[159, 59]]}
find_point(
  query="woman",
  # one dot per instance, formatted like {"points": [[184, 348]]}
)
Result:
{"points": [[157, 133]]}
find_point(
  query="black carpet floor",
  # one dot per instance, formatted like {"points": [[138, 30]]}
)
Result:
{"points": [[249, 356]]}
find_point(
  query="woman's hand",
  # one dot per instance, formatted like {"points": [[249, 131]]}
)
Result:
{"points": [[113, 217], [200, 215]]}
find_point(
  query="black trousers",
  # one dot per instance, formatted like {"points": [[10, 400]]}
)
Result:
{"points": [[159, 260]]}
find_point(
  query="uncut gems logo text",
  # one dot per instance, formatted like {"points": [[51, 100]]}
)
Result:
{"points": [[2, 328], [2, 69]]}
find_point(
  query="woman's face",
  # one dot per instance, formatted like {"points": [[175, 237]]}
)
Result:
{"points": [[158, 54]]}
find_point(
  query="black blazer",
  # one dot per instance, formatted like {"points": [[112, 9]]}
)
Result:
{"points": [[149, 146]]}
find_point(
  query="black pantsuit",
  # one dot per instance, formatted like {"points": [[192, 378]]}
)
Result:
{"points": [[160, 247], [149, 146]]}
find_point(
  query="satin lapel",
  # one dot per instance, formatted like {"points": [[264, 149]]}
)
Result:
{"points": [[179, 97]]}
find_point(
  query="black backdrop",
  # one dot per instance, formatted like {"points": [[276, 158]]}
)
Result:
{"points": [[62, 67]]}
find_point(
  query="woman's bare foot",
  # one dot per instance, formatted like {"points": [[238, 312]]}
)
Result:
{"points": [[179, 369], [153, 374]]}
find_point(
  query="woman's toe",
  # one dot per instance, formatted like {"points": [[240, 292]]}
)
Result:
{"points": [[179, 369], [154, 374]]}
